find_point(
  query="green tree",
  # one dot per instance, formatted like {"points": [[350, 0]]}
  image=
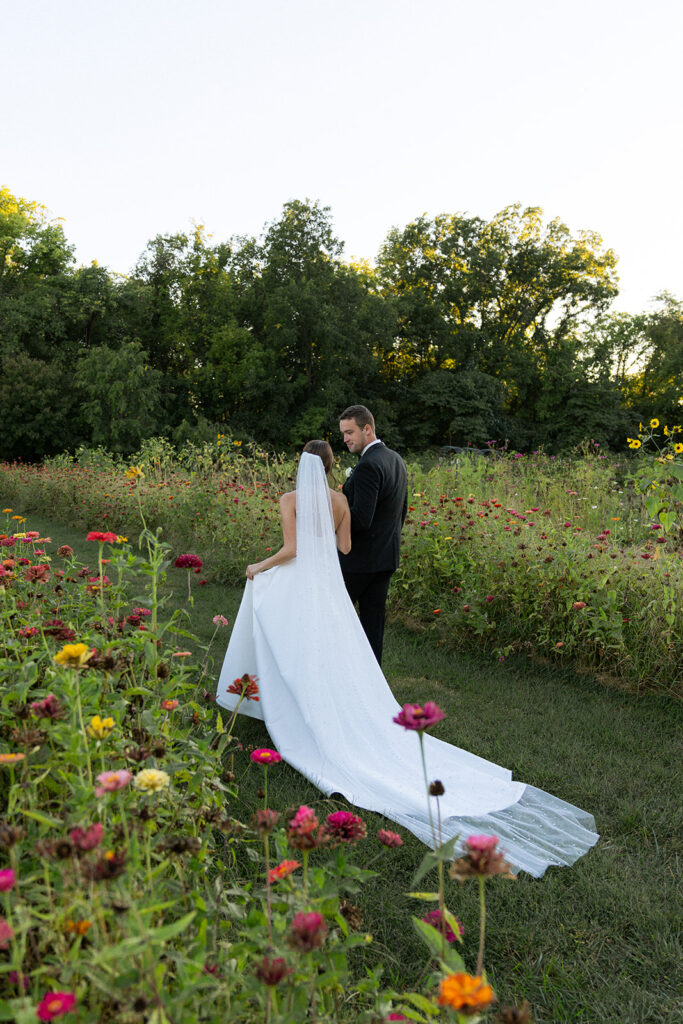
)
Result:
{"points": [[120, 396]]}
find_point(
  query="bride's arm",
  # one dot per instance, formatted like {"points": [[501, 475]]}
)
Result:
{"points": [[288, 549], [342, 528]]}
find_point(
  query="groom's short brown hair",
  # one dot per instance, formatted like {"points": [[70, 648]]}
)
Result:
{"points": [[361, 415]]}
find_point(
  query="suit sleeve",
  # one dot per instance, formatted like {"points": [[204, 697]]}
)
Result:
{"points": [[363, 501]]}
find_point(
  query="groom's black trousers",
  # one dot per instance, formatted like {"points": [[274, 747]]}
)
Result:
{"points": [[370, 590]]}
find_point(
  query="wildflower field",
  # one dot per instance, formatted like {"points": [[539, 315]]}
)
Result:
{"points": [[559, 558], [157, 868]]}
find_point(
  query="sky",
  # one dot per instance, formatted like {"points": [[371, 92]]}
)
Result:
{"points": [[132, 118]]}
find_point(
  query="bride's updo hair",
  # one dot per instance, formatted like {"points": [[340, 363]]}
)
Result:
{"points": [[322, 449]]}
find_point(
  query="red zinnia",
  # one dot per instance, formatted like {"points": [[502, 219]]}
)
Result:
{"points": [[283, 870], [188, 562], [103, 538]]}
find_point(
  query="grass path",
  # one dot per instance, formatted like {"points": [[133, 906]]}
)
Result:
{"points": [[599, 942]]}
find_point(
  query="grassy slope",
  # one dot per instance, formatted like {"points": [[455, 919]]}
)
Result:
{"points": [[599, 942]]}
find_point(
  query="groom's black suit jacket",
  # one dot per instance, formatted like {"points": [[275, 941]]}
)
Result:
{"points": [[377, 492]]}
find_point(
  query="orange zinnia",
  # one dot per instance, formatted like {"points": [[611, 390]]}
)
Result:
{"points": [[465, 992]]}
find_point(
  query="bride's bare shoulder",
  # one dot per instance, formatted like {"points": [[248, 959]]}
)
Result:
{"points": [[287, 499], [338, 499]]}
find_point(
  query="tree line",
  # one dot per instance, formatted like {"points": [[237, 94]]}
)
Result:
{"points": [[464, 331]]}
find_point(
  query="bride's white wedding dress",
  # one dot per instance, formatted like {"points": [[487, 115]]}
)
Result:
{"points": [[329, 710]]}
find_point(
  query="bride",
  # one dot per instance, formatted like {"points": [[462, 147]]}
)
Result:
{"points": [[329, 710]]}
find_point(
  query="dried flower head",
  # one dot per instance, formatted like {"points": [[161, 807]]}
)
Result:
{"points": [[436, 788], [266, 820]]}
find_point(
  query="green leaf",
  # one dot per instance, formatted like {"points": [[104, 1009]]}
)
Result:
{"points": [[427, 896], [169, 931], [422, 1003], [44, 819]]}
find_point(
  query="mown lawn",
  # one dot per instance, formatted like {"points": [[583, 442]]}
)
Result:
{"points": [[599, 942]]}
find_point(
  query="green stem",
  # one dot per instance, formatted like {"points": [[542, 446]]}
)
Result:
{"points": [[79, 711], [429, 806], [482, 924]]}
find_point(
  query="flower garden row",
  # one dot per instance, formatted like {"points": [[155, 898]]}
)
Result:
{"points": [[131, 889], [557, 558]]}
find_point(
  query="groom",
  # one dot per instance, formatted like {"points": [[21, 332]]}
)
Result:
{"points": [[377, 493]]}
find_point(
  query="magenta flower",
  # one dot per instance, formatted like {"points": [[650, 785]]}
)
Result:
{"points": [[344, 827], [388, 838], [481, 843], [435, 918], [6, 933], [272, 972], [301, 833], [109, 782], [88, 838], [308, 931], [188, 562], [264, 755], [54, 1004], [8, 879], [49, 707], [419, 716]]}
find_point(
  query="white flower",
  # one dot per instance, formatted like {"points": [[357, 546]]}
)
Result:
{"points": [[349, 471]]}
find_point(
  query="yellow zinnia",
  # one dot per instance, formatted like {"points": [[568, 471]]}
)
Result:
{"points": [[73, 655], [100, 728], [654, 424], [151, 780]]}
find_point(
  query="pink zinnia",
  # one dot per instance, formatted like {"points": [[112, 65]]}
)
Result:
{"points": [[304, 821], [419, 716], [220, 620], [264, 755], [188, 562], [111, 781], [308, 931], [88, 838], [8, 879], [388, 838], [344, 827], [103, 538], [6, 933], [481, 843], [54, 1004], [169, 705]]}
